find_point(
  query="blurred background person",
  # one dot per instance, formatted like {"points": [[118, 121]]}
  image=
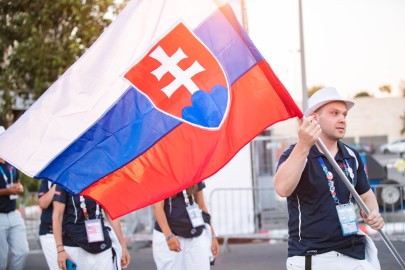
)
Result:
{"points": [[81, 235], [45, 197], [13, 235], [183, 237]]}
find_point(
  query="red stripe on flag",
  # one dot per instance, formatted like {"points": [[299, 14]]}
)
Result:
{"points": [[189, 154]]}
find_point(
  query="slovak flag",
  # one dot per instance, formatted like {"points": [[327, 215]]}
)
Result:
{"points": [[166, 96]]}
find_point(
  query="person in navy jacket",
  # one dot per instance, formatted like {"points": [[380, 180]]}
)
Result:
{"points": [[82, 236], [13, 236], [45, 197], [323, 229], [183, 237]]}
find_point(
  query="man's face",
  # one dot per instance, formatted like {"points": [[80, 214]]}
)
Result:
{"points": [[332, 119]]}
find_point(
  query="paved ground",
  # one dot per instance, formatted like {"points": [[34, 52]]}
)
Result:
{"points": [[257, 256]]}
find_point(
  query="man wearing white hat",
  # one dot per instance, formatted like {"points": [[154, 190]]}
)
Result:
{"points": [[323, 229], [12, 229]]}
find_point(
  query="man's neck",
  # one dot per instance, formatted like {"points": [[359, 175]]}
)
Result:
{"points": [[331, 145]]}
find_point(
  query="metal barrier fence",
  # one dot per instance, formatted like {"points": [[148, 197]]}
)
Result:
{"points": [[236, 213], [239, 213], [391, 199]]}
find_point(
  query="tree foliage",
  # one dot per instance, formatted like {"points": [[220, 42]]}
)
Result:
{"points": [[40, 39], [363, 93], [386, 88], [313, 89]]}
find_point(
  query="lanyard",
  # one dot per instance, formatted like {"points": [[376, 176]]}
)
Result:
{"points": [[186, 199], [84, 208], [331, 183], [5, 176]]}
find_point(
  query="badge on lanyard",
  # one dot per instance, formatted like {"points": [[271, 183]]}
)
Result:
{"points": [[193, 211], [347, 218], [9, 185], [195, 215], [94, 230], [346, 212]]}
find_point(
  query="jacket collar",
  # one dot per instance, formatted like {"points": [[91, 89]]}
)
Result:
{"points": [[340, 156]]}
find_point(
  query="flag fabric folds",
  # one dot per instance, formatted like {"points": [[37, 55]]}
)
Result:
{"points": [[167, 95]]}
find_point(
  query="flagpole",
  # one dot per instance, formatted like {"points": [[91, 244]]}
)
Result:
{"points": [[244, 16], [359, 200], [302, 54]]}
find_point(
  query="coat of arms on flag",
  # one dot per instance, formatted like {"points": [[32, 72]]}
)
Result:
{"points": [[183, 78]]}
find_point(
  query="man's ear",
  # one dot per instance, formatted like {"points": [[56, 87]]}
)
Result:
{"points": [[315, 116]]}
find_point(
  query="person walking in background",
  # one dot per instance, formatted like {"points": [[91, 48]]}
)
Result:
{"points": [[81, 235], [183, 238], [323, 229], [45, 197], [12, 228]]}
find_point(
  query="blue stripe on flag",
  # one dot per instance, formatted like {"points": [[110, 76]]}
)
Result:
{"points": [[124, 132]]}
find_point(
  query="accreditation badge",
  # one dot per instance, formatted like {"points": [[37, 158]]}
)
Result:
{"points": [[347, 218], [94, 230], [195, 215], [14, 196]]}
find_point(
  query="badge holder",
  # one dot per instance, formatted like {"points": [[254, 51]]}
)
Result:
{"points": [[9, 185], [195, 215], [193, 211], [347, 218], [94, 230]]}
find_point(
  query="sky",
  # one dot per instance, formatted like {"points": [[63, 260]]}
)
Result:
{"points": [[353, 45]]}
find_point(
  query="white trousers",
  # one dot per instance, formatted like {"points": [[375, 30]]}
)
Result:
{"points": [[88, 261], [331, 260], [13, 237], [194, 254], [49, 248]]}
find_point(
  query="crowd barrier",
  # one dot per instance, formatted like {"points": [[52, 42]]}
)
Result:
{"points": [[259, 213]]}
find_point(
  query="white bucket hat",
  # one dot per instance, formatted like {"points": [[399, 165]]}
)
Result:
{"points": [[324, 96], [2, 129]]}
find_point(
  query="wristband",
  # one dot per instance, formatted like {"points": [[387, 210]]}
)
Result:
{"points": [[214, 236], [169, 237], [61, 251]]}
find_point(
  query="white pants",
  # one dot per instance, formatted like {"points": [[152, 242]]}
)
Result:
{"points": [[88, 261], [13, 236], [194, 254], [331, 260], [49, 248]]}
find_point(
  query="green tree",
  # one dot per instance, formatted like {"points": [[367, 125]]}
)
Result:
{"points": [[313, 89], [40, 39], [363, 94], [29, 183], [386, 88]]}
